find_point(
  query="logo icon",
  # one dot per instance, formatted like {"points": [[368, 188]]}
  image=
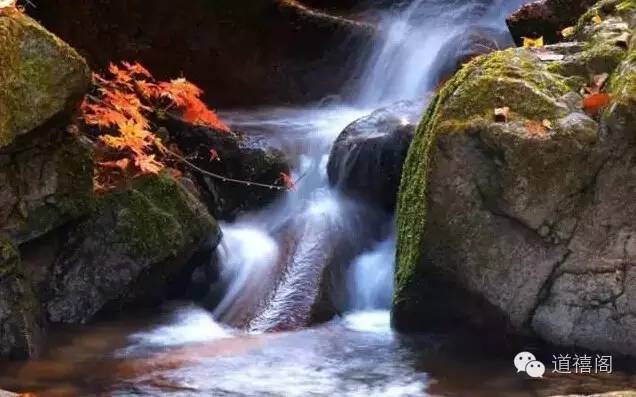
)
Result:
{"points": [[528, 363]]}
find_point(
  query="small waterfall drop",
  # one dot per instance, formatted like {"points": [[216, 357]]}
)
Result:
{"points": [[248, 254], [273, 261], [370, 278], [415, 39]]}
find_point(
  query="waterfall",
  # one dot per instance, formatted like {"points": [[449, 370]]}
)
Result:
{"points": [[370, 277], [405, 61], [274, 262]]}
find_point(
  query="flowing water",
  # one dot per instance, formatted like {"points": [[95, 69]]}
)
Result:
{"points": [[272, 266]]}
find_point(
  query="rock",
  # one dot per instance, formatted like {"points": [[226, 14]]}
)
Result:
{"points": [[45, 173], [546, 18], [366, 159], [516, 229], [238, 160], [599, 47], [40, 76], [261, 51], [20, 326], [130, 249], [46, 182]]}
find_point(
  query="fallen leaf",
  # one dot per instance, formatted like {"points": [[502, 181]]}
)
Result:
{"points": [[287, 181], [501, 114], [567, 32], [594, 103], [547, 124], [214, 155], [532, 43], [597, 19], [535, 128]]}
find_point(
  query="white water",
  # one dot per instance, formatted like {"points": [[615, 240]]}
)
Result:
{"points": [[370, 278], [243, 266], [309, 228], [276, 257], [406, 55]]}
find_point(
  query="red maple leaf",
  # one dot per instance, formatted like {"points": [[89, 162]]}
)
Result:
{"points": [[287, 181], [594, 103]]}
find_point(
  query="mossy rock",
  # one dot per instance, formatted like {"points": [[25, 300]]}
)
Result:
{"points": [[513, 228], [131, 248], [46, 181], [45, 173], [515, 78], [19, 310], [40, 76]]}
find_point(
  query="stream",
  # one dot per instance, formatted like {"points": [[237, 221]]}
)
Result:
{"points": [[253, 343]]}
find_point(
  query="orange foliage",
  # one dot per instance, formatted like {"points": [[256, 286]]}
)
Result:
{"points": [[594, 103], [120, 110]]}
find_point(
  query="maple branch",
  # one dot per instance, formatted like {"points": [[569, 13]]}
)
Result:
{"points": [[221, 177]]}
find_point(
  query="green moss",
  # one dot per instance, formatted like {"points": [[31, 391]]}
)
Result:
{"points": [[493, 80], [412, 203], [156, 216], [9, 256], [52, 198], [603, 57], [74, 164], [40, 76], [622, 88]]}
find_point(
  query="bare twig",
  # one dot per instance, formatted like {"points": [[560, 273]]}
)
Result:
{"points": [[221, 177]]}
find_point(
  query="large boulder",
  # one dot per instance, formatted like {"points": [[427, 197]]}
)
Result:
{"points": [[129, 250], [20, 320], [45, 173], [546, 18], [510, 225], [263, 50], [366, 159]]}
